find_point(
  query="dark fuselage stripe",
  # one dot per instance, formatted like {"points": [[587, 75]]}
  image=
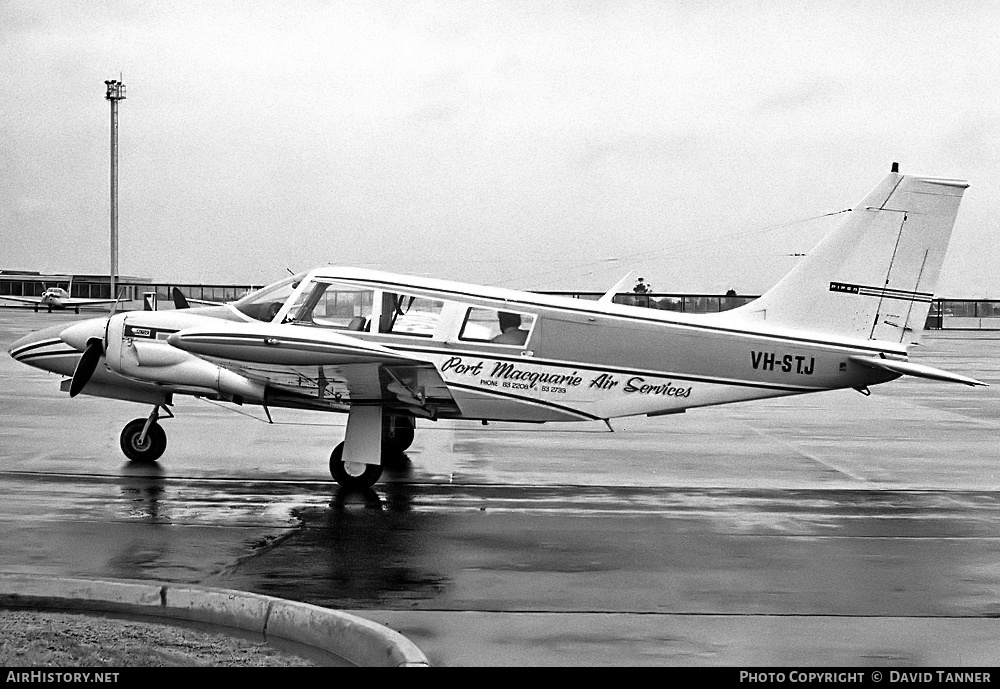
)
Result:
{"points": [[27, 348], [46, 355]]}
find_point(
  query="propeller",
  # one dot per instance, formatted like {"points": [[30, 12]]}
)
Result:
{"points": [[86, 366]]}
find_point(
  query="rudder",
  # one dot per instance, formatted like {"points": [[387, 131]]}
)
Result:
{"points": [[873, 277]]}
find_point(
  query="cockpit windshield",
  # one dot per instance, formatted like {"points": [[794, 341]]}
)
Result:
{"points": [[264, 304]]}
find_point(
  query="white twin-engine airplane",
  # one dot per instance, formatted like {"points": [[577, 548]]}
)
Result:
{"points": [[58, 298], [388, 349]]}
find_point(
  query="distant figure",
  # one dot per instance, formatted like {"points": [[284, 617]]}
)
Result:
{"points": [[731, 293], [642, 287], [510, 329]]}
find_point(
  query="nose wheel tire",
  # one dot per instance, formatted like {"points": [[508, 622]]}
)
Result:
{"points": [[151, 449], [353, 476]]}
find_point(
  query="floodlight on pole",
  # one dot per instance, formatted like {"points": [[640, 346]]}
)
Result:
{"points": [[116, 92]]}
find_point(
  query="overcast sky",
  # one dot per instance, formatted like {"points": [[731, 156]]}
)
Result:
{"points": [[537, 145]]}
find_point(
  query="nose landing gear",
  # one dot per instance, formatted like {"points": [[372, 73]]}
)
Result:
{"points": [[143, 440]]}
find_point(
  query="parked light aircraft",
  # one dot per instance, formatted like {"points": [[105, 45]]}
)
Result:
{"points": [[58, 298], [387, 349], [183, 302]]}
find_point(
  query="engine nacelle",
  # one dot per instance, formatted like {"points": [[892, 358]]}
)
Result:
{"points": [[136, 347]]}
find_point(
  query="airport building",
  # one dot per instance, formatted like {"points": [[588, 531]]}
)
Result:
{"points": [[132, 290], [945, 314]]}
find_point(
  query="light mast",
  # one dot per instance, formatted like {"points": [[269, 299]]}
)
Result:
{"points": [[116, 92]]}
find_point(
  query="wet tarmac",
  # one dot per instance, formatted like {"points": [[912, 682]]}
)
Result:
{"points": [[830, 529]]}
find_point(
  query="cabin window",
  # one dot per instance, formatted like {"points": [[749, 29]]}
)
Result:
{"points": [[329, 305], [405, 314], [496, 327]]}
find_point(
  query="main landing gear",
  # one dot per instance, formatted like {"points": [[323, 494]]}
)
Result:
{"points": [[396, 434], [143, 440], [374, 438]]}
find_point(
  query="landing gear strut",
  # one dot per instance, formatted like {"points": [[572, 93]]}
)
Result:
{"points": [[143, 440]]}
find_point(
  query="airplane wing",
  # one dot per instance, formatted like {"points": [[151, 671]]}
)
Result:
{"points": [[75, 301], [321, 369], [23, 300]]}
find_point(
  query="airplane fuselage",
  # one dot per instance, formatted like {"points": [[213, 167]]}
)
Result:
{"points": [[579, 361]]}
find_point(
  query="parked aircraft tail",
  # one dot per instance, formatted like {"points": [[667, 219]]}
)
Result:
{"points": [[873, 277], [180, 301]]}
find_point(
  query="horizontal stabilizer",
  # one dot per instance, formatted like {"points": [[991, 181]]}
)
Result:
{"points": [[918, 370]]}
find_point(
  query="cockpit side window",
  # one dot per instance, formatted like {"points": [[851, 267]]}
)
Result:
{"points": [[405, 314], [330, 305], [496, 327]]}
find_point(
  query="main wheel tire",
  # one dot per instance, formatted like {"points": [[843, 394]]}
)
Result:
{"points": [[397, 434], [349, 479], [150, 450]]}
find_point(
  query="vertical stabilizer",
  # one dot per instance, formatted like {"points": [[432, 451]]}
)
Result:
{"points": [[873, 277]]}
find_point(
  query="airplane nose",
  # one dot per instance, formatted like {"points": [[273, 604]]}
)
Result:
{"points": [[37, 344], [78, 334]]}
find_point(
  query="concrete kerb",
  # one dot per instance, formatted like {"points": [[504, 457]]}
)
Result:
{"points": [[353, 638]]}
